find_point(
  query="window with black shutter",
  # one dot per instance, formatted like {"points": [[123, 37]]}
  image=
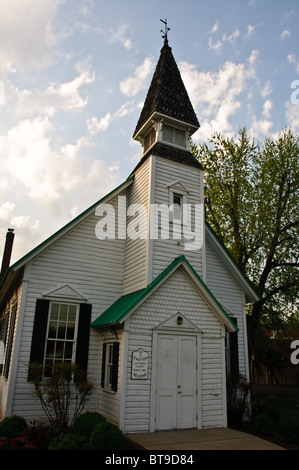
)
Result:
{"points": [[232, 352], [60, 335], [110, 358]]}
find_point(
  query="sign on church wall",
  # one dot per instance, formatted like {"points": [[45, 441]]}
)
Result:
{"points": [[139, 365]]}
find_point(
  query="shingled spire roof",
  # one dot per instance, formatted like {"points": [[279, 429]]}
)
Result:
{"points": [[167, 94]]}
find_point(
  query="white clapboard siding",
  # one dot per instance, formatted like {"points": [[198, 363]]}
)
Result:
{"points": [[176, 294], [136, 254], [92, 267], [230, 295], [168, 172], [4, 383]]}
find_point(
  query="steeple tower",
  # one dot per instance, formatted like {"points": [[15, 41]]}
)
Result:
{"points": [[167, 118]]}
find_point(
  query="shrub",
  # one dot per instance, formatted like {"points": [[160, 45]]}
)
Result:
{"points": [[106, 436], [288, 427], [12, 426], [62, 395], [238, 394], [264, 424], [17, 443], [40, 434], [84, 423], [69, 441]]}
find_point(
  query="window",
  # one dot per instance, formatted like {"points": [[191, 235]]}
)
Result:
{"points": [[177, 206], [61, 336], [174, 136], [110, 366]]}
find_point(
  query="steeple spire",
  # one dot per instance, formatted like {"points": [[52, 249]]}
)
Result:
{"points": [[167, 95]]}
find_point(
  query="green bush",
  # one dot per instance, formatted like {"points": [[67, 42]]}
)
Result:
{"points": [[106, 436], [12, 426], [85, 423], [288, 427], [69, 441], [264, 424]]}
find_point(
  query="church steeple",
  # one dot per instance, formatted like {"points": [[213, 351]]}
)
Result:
{"points": [[167, 116]]}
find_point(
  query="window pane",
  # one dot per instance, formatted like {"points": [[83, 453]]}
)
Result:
{"points": [[59, 349], [68, 351], [70, 332], [54, 311], [180, 138], [167, 134], [52, 329], [50, 349], [61, 331]]}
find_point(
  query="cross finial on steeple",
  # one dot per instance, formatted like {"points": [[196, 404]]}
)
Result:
{"points": [[165, 31]]}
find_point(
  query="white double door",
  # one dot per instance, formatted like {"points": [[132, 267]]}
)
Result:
{"points": [[176, 393]]}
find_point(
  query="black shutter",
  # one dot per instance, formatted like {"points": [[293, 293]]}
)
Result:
{"points": [[10, 340], [83, 337], [115, 367], [39, 333], [103, 366], [234, 353]]}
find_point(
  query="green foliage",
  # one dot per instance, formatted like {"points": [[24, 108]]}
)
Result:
{"points": [[69, 441], [238, 390], [264, 424], [106, 436], [84, 423], [251, 199], [288, 427], [12, 426]]}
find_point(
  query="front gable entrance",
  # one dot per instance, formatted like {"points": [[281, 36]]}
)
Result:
{"points": [[175, 381]]}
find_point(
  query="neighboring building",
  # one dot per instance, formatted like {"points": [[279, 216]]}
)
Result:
{"points": [[157, 323]]}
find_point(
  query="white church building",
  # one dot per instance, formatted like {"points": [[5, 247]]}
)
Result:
{"points": [[137, 290]]}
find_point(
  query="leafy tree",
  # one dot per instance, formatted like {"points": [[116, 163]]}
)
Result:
{"points": [[251, 197]]}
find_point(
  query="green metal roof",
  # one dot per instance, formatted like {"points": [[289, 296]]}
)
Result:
{"points": [[123, 306]]}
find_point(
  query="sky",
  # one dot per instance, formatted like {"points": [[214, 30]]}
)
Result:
{"points": [[74, 75]]}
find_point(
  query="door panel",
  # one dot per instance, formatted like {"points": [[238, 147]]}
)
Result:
{"points": [[176, 382]]}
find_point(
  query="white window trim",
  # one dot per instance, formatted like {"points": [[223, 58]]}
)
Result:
{"points": [[177, 192], [74, 341]]}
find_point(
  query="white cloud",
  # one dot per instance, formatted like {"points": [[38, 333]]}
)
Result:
{"points": [[286, 33], [94, 125], [267, 89], [27, 36], [268, 105], [117, 35], [215, 46], [218, 94], [260, 127], [132, 85], [293, 59], [49, 177], [232, 37], [58, 96], [215, 28], [292, 116]]}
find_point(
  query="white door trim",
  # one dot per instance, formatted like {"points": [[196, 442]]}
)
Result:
{"points": [[191, 331]]}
